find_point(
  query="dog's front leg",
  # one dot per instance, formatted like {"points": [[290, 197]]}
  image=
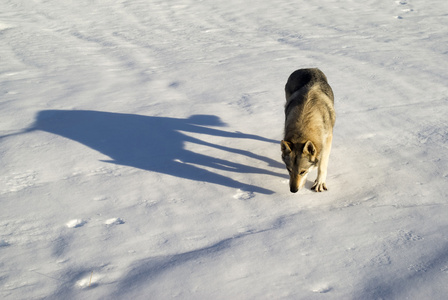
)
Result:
{"points": [[320, 184]]}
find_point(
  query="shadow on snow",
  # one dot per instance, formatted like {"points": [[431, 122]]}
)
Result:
{"points": [[155, 143]]}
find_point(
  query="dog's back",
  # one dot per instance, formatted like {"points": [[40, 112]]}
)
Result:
{"points": [[304, 79], [308, 94]]}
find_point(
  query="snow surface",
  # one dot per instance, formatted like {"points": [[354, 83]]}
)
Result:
{"points": [[140, 155]]}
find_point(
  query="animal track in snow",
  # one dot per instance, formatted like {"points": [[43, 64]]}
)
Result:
{"points": [[75, 223], [24, 231], [20, 181], [401, 238], [408, 236], [406, 9], [382, 259], [244, 103], [419, 267]]}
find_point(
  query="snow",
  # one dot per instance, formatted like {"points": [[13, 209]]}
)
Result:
{"points": [[140, 154]]}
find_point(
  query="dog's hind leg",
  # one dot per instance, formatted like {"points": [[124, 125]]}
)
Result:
{"points": [[320, 183]]}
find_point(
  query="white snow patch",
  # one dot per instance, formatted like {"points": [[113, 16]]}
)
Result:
{"points": [[322, 288], [90, 281], [243, 195], [75, 223], [114, 221]]}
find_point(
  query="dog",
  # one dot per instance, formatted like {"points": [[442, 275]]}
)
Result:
{"points": [[309, 122]]}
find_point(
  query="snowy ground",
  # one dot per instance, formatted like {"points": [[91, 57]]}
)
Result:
{"points": [[140, 155]]}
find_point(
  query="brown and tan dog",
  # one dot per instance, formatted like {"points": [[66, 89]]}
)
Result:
{"points": [[309, 122]]}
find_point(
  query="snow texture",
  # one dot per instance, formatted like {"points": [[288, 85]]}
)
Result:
{"points": [[140, 154]]}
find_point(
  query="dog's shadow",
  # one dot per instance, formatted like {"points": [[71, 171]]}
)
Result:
{"points": [[155, 143]]}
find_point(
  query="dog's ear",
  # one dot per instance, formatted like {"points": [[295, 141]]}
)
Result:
{"points": [[309, 148], [286, 147]]}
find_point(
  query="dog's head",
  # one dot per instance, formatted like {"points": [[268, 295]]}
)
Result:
{"points": [[299, 159]]}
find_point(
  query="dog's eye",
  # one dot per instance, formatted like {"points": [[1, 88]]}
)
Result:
{"points": [[302, 172]]}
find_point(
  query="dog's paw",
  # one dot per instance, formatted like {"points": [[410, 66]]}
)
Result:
{"points": [[319, 186]]}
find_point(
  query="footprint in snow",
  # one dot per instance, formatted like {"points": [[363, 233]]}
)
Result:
{"points": [[75, 223]]}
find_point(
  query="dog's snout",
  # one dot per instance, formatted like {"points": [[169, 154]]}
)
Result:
{"points": [[294, 186]]}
